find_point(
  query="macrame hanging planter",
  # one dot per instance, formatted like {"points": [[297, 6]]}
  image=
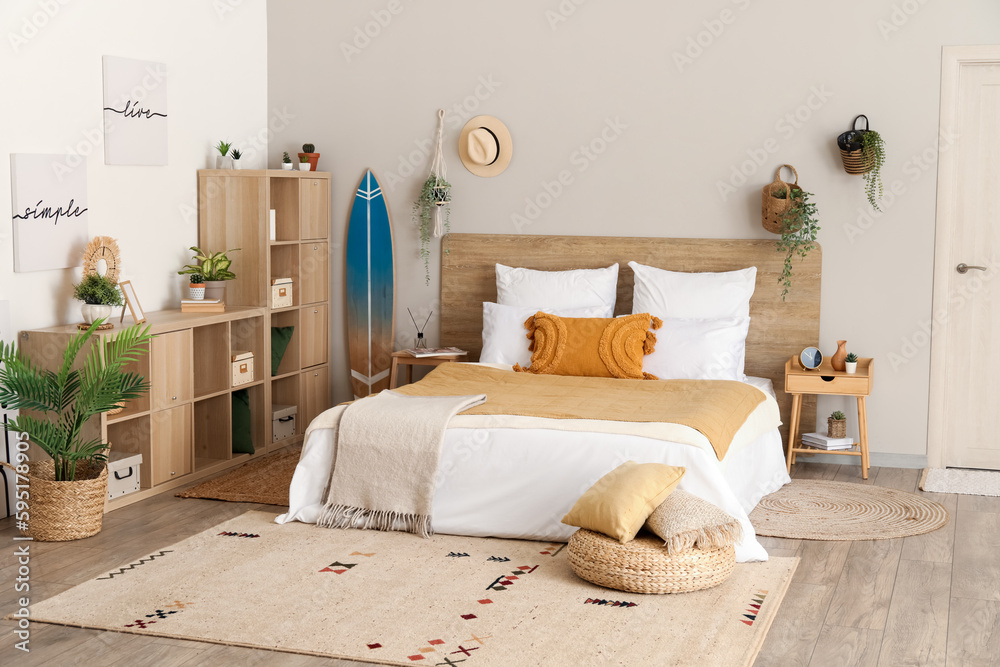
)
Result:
{"points": [[432, 210]]}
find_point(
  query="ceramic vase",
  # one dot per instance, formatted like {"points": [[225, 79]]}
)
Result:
{"points": [[215, 289], [839, 359]]}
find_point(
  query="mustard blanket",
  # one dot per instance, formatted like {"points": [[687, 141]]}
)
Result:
{"points": [[715, 408]]}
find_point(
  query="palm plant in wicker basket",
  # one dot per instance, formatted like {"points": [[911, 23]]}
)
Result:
{"points": [[55, 406]]}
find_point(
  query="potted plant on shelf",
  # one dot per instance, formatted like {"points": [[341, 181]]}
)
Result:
{"points": [[432, 216], [304, 162], [222, 160], [851, 363], [799, 228], [196, 287], [286, 162], [237, 154], [836, 425], [99, 296], [68, 492], [312, 157], [214, 266]]}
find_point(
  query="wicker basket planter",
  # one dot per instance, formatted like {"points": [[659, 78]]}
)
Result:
{"points": [[852, 153], [772, 208], [644, 566], [836, 428], [61, 511]]}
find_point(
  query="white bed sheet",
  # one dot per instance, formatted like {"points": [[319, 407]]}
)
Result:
{"points": [[519, 483]]}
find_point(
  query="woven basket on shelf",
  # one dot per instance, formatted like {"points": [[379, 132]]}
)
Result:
{"points": [[61, 511], [644, 566], [855, 160], [836, 428], [773, 209]]}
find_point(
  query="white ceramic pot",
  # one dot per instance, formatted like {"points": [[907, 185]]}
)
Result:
{"points": [[852, 367], [287, 166], [222, 162], [95, 311], [196, 293], [215, 289], [236, 164], [304, 166]]}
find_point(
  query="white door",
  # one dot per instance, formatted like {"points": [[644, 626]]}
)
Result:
{"points": [[964, 423]]}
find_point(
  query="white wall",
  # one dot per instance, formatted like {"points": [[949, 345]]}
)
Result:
{"points": [[785, 75], [51, 75]]}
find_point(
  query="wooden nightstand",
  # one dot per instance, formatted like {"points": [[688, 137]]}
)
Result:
{"points": [[403, 358], [827, 381]]}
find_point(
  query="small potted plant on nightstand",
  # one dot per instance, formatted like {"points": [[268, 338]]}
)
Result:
{"points": [[99, 295], [851, 363], [222, 160], [836, 425], [286, 162], [304, 162], [196, 288], [236, 154], [312, 157]]}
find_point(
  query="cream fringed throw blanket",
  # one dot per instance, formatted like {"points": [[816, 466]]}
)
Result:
{"points": [[388, 447]]}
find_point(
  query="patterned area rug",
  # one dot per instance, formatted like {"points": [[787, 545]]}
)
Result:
{"points": [[957, 480], [264, 481], [813, 509], [398, 599]]}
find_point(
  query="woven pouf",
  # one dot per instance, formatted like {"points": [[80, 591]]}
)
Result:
{"points": [[644, 566]]}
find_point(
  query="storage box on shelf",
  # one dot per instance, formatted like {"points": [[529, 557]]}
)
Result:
{"points": [[235, 211], [242, 368], [282, 421], [181, 428]]}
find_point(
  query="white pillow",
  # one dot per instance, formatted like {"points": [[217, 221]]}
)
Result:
{"points": [[699, 349], [551, 290], [505, 340], [692, 295]]}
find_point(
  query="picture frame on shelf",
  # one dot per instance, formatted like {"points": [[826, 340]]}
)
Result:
{"points": [[132, 301]]}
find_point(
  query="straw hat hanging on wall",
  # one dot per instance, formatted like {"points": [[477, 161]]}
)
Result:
{"points": [[485, 146]]}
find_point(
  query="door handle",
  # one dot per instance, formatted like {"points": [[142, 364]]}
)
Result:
{"points": [[964, 268]]}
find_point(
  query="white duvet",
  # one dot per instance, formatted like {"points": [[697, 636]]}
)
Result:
{"points": [[498, 481]]}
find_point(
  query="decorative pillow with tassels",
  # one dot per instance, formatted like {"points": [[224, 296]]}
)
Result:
{"points": [[684, 521], [591, 346]]}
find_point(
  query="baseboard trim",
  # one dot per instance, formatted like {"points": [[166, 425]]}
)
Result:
{"points": [[876, 459]]}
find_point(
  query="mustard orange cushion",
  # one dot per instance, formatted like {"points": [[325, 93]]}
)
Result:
{"points": [[620, 502], [590, 346]]}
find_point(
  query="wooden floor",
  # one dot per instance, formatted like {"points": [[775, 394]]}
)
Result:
{"points": [[926, 600]]}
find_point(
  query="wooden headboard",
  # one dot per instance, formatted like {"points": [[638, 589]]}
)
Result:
{"points": [[778, 329]]}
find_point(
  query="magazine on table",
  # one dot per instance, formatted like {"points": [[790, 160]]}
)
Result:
{"points": [[434, 351]]}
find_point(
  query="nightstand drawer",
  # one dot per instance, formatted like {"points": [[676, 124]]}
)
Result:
{"points": [[827, 384]]}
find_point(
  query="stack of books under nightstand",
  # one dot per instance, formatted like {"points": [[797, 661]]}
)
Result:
{"points": [[820, 441]]}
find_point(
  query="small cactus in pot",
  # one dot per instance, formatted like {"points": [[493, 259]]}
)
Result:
{"points": [[196, 287], [312, 157], [851, 363], [836, 425]]}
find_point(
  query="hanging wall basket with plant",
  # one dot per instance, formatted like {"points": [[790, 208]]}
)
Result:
{"points": [[775, 200], [787, 210], [432, 209], [863, 152]]}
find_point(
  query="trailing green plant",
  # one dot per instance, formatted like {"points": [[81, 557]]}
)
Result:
{"points": [[852, 358], [435, 193], [237, 154], [308, 148], [223, 148], [837, 416], [211, 265], [303, 159], [799, 229], [56, 406], [285, 159], [97, 290], [197, 279], [874, 153]]}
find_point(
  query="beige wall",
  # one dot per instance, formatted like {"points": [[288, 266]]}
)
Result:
{"points": [[51, 75], [649, 111]]}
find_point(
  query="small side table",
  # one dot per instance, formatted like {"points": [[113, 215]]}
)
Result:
{"points": [[826, 381], [403, 358]]}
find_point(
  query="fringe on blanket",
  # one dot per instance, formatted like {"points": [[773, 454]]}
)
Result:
{"points": [[344, 516], [711, 537]]}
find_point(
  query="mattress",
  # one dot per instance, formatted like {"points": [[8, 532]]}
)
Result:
{"points": [[519, 483]]}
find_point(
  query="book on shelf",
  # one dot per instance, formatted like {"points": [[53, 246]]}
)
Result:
{"points": [[821, 441], [434, 352], [214, 306], [200, 301]]}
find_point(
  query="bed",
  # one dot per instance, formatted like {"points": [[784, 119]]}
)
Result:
{"points": [[497, 481]]}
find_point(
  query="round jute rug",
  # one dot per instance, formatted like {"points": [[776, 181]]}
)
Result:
{"points": [[812, 509]]}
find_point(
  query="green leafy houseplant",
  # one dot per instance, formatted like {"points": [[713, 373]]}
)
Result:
{"points": [[851, 358], [97, 290], [285, 159], [799, 229], [434, 195], [837, 416], [56, 405], [873, 149], [237, 154], [211, 265], [223, 148]]}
